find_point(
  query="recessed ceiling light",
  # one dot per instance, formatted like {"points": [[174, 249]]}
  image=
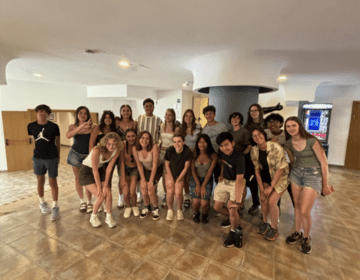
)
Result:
{"points": [[37, 75], [185, 84], [282, 78], [124, 63]]}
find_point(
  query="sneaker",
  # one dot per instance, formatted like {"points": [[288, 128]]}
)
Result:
{"points": [[55, 213], [230, 239], [271, 234], [82, 207], [196, 217], [306, 245], [239, 237], [294, 237], [127, 212], [225, 223], [170, 215], [120, 202], [45, 208], [180, 215], [205, 219], [163, 203], [110, 221], [263, 228], [145, 211], [253, 209], [216, 214], [89, 208], [136, 211], [139, 198], [95, 221], [156, 214]]}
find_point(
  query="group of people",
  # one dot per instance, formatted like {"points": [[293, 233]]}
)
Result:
{"points": [[208, 164]]}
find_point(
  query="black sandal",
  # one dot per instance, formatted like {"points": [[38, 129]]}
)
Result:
{"points": [[83, 207], [187, 203]]}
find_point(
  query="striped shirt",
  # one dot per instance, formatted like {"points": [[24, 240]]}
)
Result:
{"points": [[150, 124]]}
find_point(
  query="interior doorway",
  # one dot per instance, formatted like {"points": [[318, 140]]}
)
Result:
{"points": [[199, 103], [352, 158]]}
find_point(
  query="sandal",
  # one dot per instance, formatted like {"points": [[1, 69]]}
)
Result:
{"points": [[89, 208], [187, 203], [83, 207]]}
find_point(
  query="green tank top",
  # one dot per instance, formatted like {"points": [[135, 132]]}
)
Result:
{"points": [[306, 157]]}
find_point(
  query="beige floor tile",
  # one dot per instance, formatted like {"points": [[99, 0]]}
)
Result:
{"points": [[283, 255], [80, 270], [349, 259], [105, 252], [17, 233], [106, 273], [322, 267], [34, 273], [286, 272], [179, 239], [192, 264], [7, 252], [14, 266], [204, 246], [255, 264], [144, 244], [87, 242], [150, 270], [188, 226], [126, 263], [350, 274], [28, 241], [232, 257], [43, 249], [7, 223], [166, 254], [175, 275], [217, 271], [160, 231]]}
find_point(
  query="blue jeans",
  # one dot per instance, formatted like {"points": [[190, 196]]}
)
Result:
{"points": [[208, 188]]}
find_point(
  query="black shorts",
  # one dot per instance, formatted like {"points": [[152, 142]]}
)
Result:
{"points": [[158, 174], [86, 176]]}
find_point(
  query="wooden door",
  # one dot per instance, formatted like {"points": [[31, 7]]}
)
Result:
{"points": [[199, 103], [95, 118], [352, 159], [19, 148]]}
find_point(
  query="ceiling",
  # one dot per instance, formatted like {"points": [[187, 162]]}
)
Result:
{"points": [[313, 39]]}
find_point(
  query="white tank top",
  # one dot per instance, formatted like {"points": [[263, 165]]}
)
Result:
{"points": [[165, 137], [87, 160], [147, 162]]}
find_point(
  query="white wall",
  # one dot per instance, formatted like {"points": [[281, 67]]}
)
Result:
{"points": [[168, 99], [3, 165]]}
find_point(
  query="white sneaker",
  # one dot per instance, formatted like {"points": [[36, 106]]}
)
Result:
{"points": [[139, 197], [180, 215], [45, 208], [170, 215], [120, 202], [110, 221], [136, 211], [156, 214], [95, 221], [127, 212]]}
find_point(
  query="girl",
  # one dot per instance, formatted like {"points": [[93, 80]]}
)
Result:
{"points": [[81, 131], [271, 171], [129, 173], [95, 177], [201, 182], [309, 177], [146, 154]]}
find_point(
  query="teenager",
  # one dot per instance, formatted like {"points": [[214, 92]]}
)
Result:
{"points": [[95, 174], [129, 174], [254, 120], [271, 171], [308, 176], [230, 187], [177, 164], [201, 182], [167, 131], [46, 157], [80, 131], [146, 154]]}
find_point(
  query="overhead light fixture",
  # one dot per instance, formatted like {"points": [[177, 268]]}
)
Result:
{"points": [[186, 84], [37, 75], [124, 63], [282, 78]]}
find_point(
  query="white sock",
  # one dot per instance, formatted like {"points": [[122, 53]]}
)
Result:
{"points": [[42, 200], [108, 215], [120, 196], [83, 200], [55, 204]]}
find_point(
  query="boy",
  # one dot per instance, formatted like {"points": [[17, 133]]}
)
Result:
{"points": [[46, 157], [230, 187]]}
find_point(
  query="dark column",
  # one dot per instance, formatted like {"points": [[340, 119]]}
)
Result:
{"points": [[229, 99]]}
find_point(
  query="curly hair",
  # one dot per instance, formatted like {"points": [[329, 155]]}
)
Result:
{"points": [[111, 135], [236, 114], [138, 147], [113, 122], [275, 117]]}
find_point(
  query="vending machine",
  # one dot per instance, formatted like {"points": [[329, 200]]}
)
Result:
{"points": [[316, 119]]}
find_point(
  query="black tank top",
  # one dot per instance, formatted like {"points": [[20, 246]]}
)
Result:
{"points": [[81, 143]]}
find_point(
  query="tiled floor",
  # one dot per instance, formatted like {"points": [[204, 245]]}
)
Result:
{"points": [[33, 247]]}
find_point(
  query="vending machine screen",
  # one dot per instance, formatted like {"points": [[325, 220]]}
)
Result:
{"points": [[316, 123]]}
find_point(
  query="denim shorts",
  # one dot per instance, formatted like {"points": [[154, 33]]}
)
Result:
{"points": [[75, 159], [130, 171], [307, 177], [42, 165], [208, 188]]}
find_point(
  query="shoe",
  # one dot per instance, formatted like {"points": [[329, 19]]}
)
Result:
{"points": [[139, 198], [163, 203], [180, 215], [95, 221], [156, 214], [170, 215], [205, 219], [225, 223], [187, 203], [55, 214], [82, 207], [253, 209], [230, 239], [271, 234], [216, 214], [239, 237], [89, 208], [120, 202], [127, 212], [101, 208], [196, 217], [110, 221], [45, 208], [294, 237], [263, 228], [306, 245], [145, 211], [136, 211]]}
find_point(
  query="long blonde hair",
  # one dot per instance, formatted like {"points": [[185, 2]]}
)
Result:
{"points": [[111, 135]]}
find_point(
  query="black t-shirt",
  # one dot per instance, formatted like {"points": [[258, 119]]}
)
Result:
{"points": [[44, 136], [233, 165], [263, 159], [177, 161]]}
